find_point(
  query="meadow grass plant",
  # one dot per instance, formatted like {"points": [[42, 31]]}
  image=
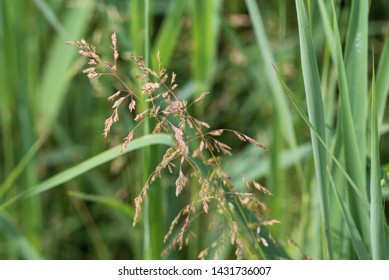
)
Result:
{"points": [[194, 155], [309, 80]]}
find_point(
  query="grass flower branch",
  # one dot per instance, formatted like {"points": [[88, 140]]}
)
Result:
{"points": [[195, 155]]}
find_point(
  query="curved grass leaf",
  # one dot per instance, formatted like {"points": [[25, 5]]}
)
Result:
{"points": [[354, 234], [266, 53], [88, 164], [24, 247], [11, 178], [55, 78], [106, 200], [51, 18], [168, 34], [301, 112]]}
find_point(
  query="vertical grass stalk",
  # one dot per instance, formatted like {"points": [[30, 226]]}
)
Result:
{"points": [[153, 218], [377, 218], [316, 116]]}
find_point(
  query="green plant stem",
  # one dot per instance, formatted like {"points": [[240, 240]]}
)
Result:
{"points": [[316, 115]]}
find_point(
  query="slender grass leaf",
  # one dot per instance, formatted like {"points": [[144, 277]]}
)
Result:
{"points": [[108, 201], [316, 116], [355, 164], [26, 249], [301, 112], [205, 39], [279, 96], [355, 60], [51, 18], [153, 218], [354, 234], [382, 84], [55, 79], [377, 216], [168, 34], [11, 178], [88, 164]]}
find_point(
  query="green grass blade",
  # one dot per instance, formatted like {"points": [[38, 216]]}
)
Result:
{"points": [[382, 84], [107, 201], [11, 178], [26, 249], [205, 16], [316, 115], [347, 134], [137, 26], [55, 76], [377, 218], [355, 236], [356, 70], [277, 91], [20, 70], [205, 39], [140, 18], [168, 34], [8, 73], [88, 164], [51, 18], [301, 112]]}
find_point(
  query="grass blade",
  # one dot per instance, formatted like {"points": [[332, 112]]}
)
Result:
{"points": [[108, 201], [88, 164], [277, 91], [346, 130], [55, 79], [26, 250], [382, 84], [153, 219], [51, 18], [316, 115], [167, 36], [11, 178], [205, 38], [301, 112], [355, 60], [376, 210], [354, 234]]}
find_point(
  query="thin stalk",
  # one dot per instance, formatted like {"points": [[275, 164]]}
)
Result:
{"points": [[316, 115], [153, 218]]}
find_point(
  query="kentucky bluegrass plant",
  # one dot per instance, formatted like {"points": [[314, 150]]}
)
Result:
{"points": [[340, 159], [150, 174], [195, 155]]}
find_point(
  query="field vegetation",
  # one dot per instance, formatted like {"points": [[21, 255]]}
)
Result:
{"points": [[233, 129]]}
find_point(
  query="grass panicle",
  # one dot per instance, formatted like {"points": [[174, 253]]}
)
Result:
{"points": [[195, 154]]}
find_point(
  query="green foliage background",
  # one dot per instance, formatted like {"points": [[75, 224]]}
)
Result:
{"points": [[294, 81]]}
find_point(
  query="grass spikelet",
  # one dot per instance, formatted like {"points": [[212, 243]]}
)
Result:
{"points": [[204, 193], [180, 182]]}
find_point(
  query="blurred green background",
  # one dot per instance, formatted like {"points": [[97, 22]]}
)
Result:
{"points": [[52, 118]]}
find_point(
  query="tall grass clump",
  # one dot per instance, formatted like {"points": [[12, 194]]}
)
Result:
{"points": [[349, 189], [310, 82], [195, 156]]}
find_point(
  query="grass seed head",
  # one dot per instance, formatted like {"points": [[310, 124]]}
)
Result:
{"points": [[157, 95]]}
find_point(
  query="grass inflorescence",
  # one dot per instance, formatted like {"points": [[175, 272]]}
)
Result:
{"points": [[195, 155]]}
